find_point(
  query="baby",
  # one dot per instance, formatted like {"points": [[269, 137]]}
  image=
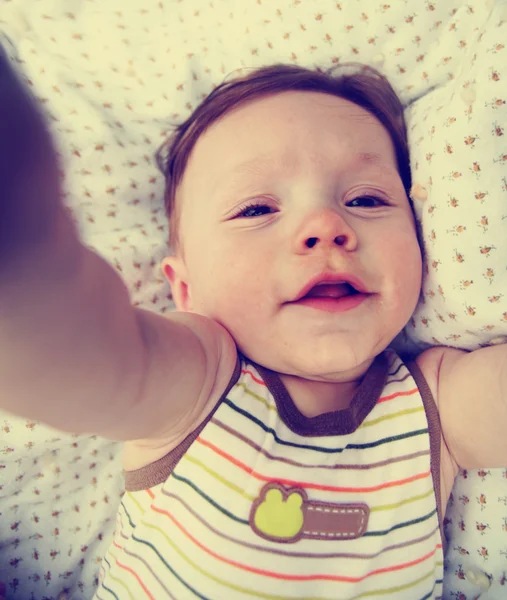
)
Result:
{"points": [[275, 447]]}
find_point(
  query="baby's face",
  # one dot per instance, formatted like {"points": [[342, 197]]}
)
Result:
{"points": [[281, 193]]}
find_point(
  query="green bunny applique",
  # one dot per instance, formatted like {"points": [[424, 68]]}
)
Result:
{"points": [[278, 514]]}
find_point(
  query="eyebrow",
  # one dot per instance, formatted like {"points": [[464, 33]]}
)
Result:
{"points": [[259, 163], [266, 161], [369, 157]]}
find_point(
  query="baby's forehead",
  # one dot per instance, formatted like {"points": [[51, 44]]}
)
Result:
{"points": [[291, 105], [288, 127]]}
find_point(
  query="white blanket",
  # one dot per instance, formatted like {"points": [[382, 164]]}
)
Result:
{"points": [[113, 76]]}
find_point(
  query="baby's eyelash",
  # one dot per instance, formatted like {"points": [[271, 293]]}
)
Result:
{"points": [[252, 207], [369, 197], [259, 208]]}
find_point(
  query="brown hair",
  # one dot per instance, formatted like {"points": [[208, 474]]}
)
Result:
{"points": [[359, 84]]}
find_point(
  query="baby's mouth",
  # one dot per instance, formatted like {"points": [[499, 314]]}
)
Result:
{"points": [[331, 290], [332, 295]]}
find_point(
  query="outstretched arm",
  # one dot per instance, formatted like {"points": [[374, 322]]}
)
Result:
{"points": [[73, 351]]}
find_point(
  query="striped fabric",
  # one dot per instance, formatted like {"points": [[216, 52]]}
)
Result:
{"points": [[190, 537]]}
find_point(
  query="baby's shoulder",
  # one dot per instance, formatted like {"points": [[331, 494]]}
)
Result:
{"points": [[430, 363], [469, 389]]}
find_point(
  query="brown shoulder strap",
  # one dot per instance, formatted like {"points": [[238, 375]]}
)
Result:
{"points": [[435, 433]]}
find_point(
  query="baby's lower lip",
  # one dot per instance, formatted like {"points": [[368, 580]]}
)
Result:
{"points": [[333, 305]]}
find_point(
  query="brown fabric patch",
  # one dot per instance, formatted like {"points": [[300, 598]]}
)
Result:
{"points": [[160, 470], [326, 521], [286, 515]]}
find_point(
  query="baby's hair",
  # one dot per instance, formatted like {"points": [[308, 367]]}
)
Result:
{"points": [[356, 83]]}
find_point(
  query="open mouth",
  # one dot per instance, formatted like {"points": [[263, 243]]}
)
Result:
{"points": [[331, 290], [332, 296]]}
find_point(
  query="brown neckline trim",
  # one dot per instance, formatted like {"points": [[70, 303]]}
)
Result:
{"points": [[339, 422], [159, 471], [435, 434]]}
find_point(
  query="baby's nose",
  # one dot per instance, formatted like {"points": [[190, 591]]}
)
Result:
{"points": [[339, 240], [323, 230]]}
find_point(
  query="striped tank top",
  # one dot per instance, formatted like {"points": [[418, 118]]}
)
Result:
{"points": [[263, 502]]}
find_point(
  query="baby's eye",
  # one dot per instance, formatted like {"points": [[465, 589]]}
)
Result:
{"points": [[255, 210], [366, 202]]}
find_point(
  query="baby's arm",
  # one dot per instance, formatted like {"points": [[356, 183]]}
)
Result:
{"points": [[471, 390], [73, 351]]}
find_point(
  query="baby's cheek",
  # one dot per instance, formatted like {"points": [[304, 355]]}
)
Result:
{"points": [[403, 269], [410, 276], [222, 300]]}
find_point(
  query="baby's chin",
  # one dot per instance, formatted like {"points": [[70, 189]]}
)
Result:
{"points": [[338, 366], [314, 353]]}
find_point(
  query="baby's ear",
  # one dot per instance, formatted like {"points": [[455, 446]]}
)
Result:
{"points": [[175, 270]]}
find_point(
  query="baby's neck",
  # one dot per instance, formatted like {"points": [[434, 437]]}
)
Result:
{"points": [[313, 398]]}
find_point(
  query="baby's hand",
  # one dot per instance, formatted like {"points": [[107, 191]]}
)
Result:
{"points": [[29, 189]]}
